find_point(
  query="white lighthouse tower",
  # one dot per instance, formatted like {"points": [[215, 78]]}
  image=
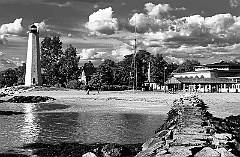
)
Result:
{"points": [[33, 66]]}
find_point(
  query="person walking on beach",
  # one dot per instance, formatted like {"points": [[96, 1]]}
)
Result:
{"points": [[87, 89]]}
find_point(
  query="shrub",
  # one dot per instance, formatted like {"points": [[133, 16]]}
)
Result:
{"points": [[114, 87], [82, 87], [74, 84]]}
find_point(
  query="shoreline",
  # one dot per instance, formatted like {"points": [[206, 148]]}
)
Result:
{"points": [[220, 104]]}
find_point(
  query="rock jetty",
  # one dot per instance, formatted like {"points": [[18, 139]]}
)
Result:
{"points": [[190, 130]]}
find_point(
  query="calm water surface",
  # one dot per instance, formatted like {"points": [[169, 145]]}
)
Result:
{"points": [[86, 127]]}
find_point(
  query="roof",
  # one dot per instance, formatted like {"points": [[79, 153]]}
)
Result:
{"points": [[174, 80]]}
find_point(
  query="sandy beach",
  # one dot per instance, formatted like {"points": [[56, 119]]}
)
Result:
{"points": [[220, 104]]}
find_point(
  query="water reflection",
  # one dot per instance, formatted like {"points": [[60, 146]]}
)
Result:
{"points": [[17, 130], [86, 127], [97, 127], [56, 127], [30, 128]]}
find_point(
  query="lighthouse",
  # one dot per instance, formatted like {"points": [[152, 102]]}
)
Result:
{"points": [[33, 66]]}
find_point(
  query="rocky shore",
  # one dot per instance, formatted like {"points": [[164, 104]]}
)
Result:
{"points": [[23, 99], [191, 130]]}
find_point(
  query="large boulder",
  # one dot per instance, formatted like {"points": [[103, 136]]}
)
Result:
{"points": [[115, 150], [225, 153], [89, 154], [224, 136], [207, 152]]}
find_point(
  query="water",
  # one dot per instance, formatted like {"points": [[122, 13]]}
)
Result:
{"points": [[86, 127]]}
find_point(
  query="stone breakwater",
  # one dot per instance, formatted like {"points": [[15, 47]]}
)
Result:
{"points": [[190, 130]]}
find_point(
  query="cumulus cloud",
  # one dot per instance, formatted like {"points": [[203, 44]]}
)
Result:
{"points": [[153, 20], [14, 28], [92, 53], [102, 22], [157, 10], [197, 30], [121, 51], [87, 53], [141, 22], [159, 29], [234, 3]]}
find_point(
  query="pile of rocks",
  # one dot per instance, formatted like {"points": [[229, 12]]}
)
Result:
{"points": [[190, 130], [30, 99], [14, 90], [75, 149]]}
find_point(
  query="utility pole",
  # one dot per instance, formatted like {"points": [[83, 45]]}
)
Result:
{"points": [[164, 77], [135, 50]]}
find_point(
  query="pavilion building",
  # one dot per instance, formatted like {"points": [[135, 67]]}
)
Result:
{"points": [[216, 77]]}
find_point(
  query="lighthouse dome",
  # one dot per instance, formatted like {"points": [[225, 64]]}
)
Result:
{"points": [[33, 28]]}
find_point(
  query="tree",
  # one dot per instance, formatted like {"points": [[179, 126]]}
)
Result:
{"points": [[8, 77], [88, 65], [157, 70], [106, 71], [68, 65], [104, 74], [51, 53], [58, 66], [21, 71], [124, 72], [187, 66]]}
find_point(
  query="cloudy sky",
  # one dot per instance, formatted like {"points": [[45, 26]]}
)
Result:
{"points": [[206, 30]]}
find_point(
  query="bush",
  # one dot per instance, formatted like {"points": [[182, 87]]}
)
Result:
{"points": [[83, 87], [74, 84], [114, 87]]}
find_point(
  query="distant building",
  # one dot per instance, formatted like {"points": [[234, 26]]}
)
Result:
{"points": [[33, 66], [216, 77]]}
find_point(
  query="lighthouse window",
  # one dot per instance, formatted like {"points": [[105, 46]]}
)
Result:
{"points": [[34, 81]]}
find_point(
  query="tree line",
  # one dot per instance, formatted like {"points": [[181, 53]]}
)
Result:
{"points": [[60, 68]]}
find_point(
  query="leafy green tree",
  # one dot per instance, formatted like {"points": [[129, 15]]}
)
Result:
{"points": [[51, 53], [8, 77], [124, 72], [157, 70], [187, 66], [171, 68], [21, 71], [58, 66], [95, 81], [68, 65], [142, 62], [106, 71], [88, 65], [104, 74]]}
